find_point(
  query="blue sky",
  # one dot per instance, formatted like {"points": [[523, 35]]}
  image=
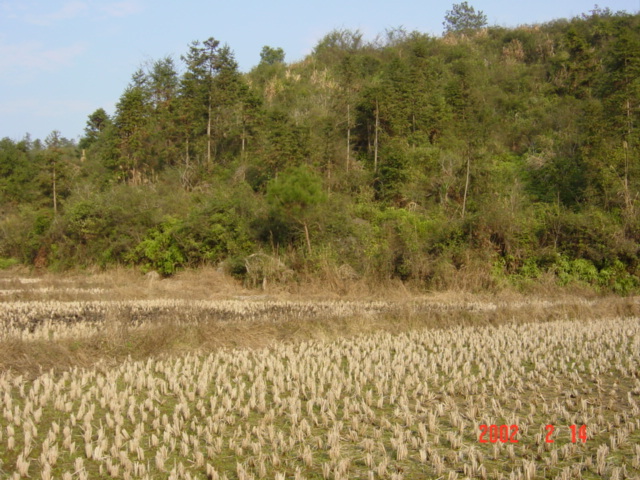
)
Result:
{"points": [[62, 59]]}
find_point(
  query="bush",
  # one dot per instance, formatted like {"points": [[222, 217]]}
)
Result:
{"points": [[7, 263], [104, 228], [160, 249], [613, 277], [24, 233], [578, 270], [592, 235], [616, 278]]}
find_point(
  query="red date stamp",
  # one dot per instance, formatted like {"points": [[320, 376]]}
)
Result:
{"points": [[498, 433], [509, 433], [577, 433]]}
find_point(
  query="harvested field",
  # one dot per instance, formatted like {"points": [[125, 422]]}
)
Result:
{"points": [[163, 386]]}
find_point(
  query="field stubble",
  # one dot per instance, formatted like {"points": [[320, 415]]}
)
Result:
{"points": [[167, 386]]}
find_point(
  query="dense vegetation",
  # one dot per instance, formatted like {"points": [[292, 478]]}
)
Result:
{"points": [[485, 156]]}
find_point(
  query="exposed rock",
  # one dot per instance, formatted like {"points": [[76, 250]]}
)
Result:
{"points": [[263, 268], [346, 272], [152, 276]]}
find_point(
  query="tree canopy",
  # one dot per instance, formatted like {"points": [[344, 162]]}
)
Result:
{"points": [[463, 18]]}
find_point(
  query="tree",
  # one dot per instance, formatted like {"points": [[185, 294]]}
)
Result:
{"points": [[212, 88], [296, 193], [391, 175], [463, 18], [271, 56], [621, 92], [337, 44], [17, 171], [163, 82], [286, 142], [202, 64], [165, 135], [56, 155], [230, 92], [130, 122], [96, 123], [250, 112]]}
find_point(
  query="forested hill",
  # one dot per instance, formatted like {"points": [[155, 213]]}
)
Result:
{"points": [[482, 157]]}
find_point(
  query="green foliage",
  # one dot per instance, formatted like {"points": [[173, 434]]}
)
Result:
{"points": [[295, 195], [214, 228], [6, 263], [24, 233], [271, 56], [160, 249], [592, 235], [97, 122], [275, 230], [510, 155], [616, 278], [296, 191], [463, 18], [406, 235], [218, 229], [580, 271], [392, 174], [213, 98], [104, 227], [18, 167], [338, 44]]}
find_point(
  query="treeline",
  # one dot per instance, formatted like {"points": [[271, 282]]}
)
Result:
{"points": [[485, 156]]}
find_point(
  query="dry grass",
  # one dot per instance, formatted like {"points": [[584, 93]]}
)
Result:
{"points": [[44, 334]]}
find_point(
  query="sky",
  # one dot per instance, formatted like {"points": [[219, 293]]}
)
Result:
{"points": [[60, 60]]}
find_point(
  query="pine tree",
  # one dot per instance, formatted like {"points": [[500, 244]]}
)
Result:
{"points": [[198, 88], [131, 131], [463, 18]]}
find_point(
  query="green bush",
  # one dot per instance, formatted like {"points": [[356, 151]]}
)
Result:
{"points": [[218, 226], [160, 249], [578, 270], [104, 227], [24, 232], [591, 234], [7, 263], [614, 277]]}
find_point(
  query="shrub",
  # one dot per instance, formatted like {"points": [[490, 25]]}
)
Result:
{"points": [[24, 233], [7, 263], [160, 249]]}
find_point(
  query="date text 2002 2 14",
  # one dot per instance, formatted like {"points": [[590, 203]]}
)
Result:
{"points": [[509, 433]]}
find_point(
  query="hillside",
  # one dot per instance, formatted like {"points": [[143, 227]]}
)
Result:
{"points": [[486, 157]]}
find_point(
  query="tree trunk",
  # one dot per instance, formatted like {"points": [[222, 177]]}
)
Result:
{"points": [[209, 133], [625, 180], [55, 195], [466, 184], [625, 144], [375, 141], [306, 236], [348, 136], [243, 138], [186, 158]]}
